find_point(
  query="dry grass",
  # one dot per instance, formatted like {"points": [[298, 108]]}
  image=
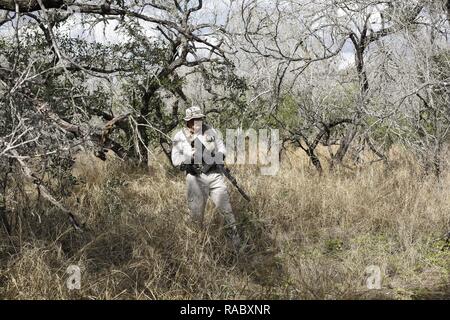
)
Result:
{"points": [[308, 237]]}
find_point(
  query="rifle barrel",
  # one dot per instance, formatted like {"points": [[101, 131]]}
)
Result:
{"points": [[232, 179]]}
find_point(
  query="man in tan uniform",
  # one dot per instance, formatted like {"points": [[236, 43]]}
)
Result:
{"points": [[198, 150]]}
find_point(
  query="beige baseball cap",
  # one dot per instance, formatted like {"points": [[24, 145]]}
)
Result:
{"points": [[193, 113]]}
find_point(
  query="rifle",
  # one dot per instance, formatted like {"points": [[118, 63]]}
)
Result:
{"points": [[197, 169], [226, 172]]}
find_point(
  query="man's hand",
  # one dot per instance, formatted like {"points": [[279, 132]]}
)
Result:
{"points": [[193, 169]]}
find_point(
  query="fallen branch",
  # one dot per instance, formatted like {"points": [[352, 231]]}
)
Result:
{"points": [[110, 125], [102, 140], [28, 173]]}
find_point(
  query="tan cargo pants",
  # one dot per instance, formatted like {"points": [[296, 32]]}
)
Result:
{"points": [[211, 184]]}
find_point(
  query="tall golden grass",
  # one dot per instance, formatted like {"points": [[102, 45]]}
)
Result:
{"points": [[307, 236]]}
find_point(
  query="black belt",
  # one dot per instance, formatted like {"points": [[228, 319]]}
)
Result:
{"points": [[196, 169]]}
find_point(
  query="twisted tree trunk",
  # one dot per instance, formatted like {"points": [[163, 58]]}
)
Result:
{"points": [[448, 10]]}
